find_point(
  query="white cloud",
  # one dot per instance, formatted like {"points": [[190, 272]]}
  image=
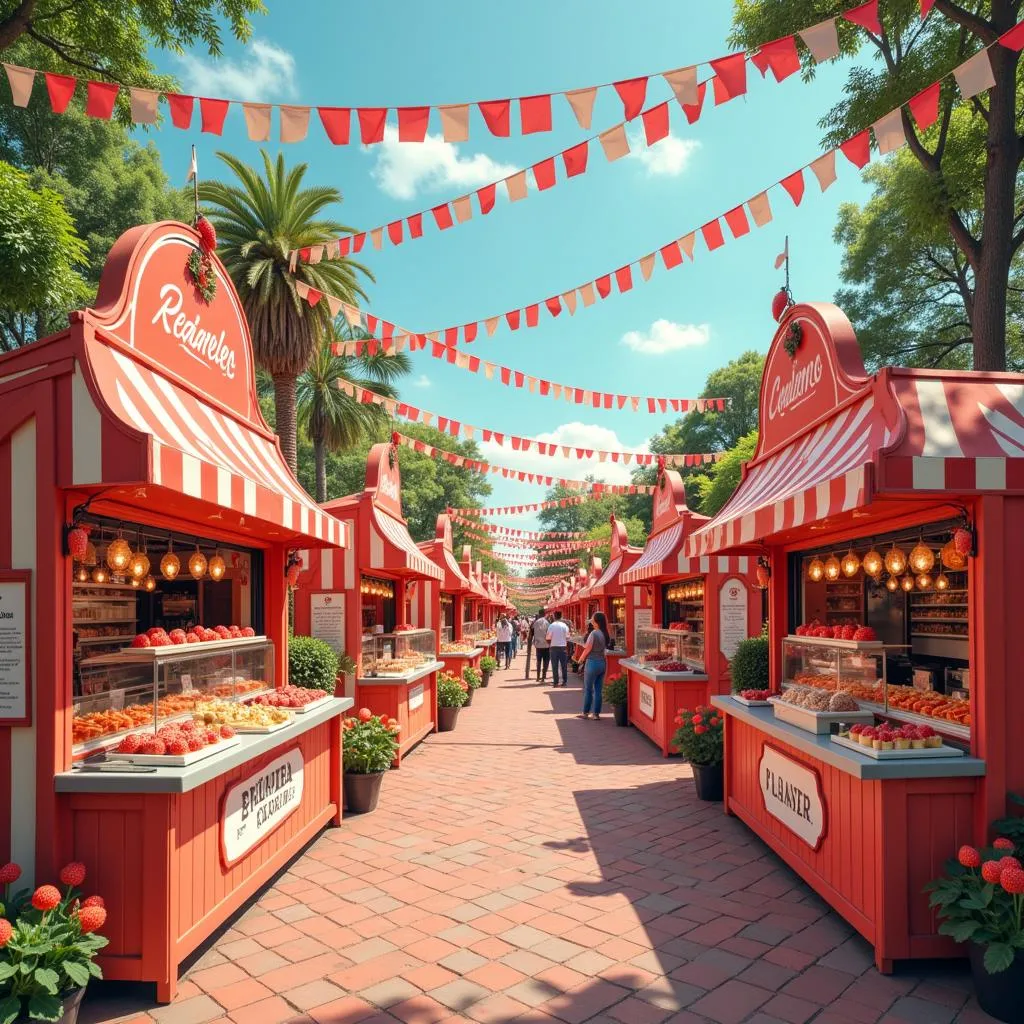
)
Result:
{"points": [[575, 435], [665, 159], [422, 381], [405, 169], [666, 336], [264, 73]]}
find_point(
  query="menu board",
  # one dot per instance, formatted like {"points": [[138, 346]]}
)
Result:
{"points": [[15, 680], [327, 620], [641, 620], [732, 615]]}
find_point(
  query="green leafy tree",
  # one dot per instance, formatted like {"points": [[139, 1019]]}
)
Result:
{"points": [[259, 221], [969, 163], [708, 492], [636, 533], [582, 516]]}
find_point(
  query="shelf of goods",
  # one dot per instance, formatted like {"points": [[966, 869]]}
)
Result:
{"points": [[939, 620], [844, 602], [456, 655]]}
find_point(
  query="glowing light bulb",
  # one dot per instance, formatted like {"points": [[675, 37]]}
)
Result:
{"points": [[170, 564], [832, 568], [217, 567], [119, 554], [895, 561], [921, 558], [816, 570], [138, 567], [892, 583], [924, 581], [149, 583], [942, 581], [850, 563], [872, 564], [197, 564], [100, 574], [907, 583]]}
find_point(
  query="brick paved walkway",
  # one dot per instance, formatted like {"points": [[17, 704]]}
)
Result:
{"points": [[533, 867]]}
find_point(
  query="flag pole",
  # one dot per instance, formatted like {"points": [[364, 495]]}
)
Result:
{"points": [[787, 259], [194, 175]]}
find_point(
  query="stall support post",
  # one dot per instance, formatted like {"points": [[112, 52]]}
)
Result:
{"points": [[777, 625], [276, 609], [337, 734], [401, 592], [457, 601]]}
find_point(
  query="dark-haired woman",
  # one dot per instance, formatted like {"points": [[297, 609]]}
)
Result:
{"points": [[594, 664]]}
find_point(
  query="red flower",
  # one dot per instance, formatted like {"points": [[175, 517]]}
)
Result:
{"points": [[91, 919], [72, 874], [991, 871], [93, 901], [1002, 843], [716, 721], [1012, 880], [969, 857], [9, 873], [1009, 863], [700, 729], [6, 931], [207, 235], [678, 720], [46, 897], [365, 714], [696, 720]]}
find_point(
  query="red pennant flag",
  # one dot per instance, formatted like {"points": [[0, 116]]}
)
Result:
{"points": [[671, 255], [358, 241], [794, 185], [781, 56], [451, 338], [485, 196], [506, 375], [858, 149], [512, 319], [412, 123], [496, 116], [469, 332], [474, 364], [544, 173], [650, 405], [371, 124], [337, 122], [575, 159], [925, 105], [692, 110], [604, 286], [554, 305], [443, 216], [736, 218], [632, 93], [535, 114], [313, 296], [866, 16], [532, 315], [415, 223], [395, 232], [181, 108], [656, 125], [100, 99], [1014, 39], [371, 323], [624, 278], [387, 329], [926, 6], [61, 88], [545, 387], [344, 245], [730, 77], [712, 232], [213, 112]]}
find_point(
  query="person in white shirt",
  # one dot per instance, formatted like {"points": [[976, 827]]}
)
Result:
{"points": [[540, 645], [504, 637], [558, 645]]}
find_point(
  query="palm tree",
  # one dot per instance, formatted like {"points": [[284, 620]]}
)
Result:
{"points": [[259, 221], [333, 419]]}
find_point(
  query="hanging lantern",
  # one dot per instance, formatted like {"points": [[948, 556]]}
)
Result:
{"points": [[872, 564], [149, 583], [816, 570], [907, 583], [119, 554], [197, 563], [895, 561], [924, 581], [942, 581], [134, 582], [292, 568], [921, 558], [832, 568], [780, 303], [89, 558], [170, 564], [216, 566], [78, 542], [82, 574], [100, 574], [138, 567], [892, 583], [850, 563], [951, 558]]}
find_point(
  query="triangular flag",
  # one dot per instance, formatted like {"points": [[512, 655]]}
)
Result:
{"points": [[783, 256], [822, 40]]}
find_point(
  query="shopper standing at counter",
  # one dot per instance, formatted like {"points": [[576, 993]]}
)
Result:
{"points": [[592, 658]]}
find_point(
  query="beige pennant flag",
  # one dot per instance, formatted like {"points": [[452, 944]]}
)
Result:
{"points": [[566, 450], [627, 457], [145, 105], [647, 266], [760, 209], [294, 123], [333, 250], [602, 456], [587, 293], [333, 304], [316, 253], [556, 390], [531, 383], [462, 360], [686, 243], [377, 237], [20, 80], [434, 335], [822, 40], [351, 314], [568, 394], [569, 298], [516, 185], [614, 143], [455, 122], [463, 209], [301, 288], [824, 169], [401, 343], [257, 121], [467, 431], [582, 103], [346, 386], [974, 75], [489, 369], [684, 85], [293, 260], [635, 402], [428, 418], [491, 325], [889, 132]]}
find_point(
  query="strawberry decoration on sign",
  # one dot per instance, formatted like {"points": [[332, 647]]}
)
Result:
{"points": [[200, 264]]}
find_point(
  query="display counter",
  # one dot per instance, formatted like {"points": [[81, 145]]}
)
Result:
{"points": [[654, 698], [456, 661]]}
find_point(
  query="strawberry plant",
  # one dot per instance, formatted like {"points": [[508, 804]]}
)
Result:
{"points": [[471, 677], [698, 736], [450, 692], [369, 743]]}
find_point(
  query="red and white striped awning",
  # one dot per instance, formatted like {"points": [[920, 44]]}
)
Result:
{"points": [[820, 475], [610, 575], [198, 450], [655, 561], [392, 549]]}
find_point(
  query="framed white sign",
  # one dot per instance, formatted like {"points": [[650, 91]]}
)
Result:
{"points": [[15, 673], [327, 620], [732, 615], [257, 804], [415, 696], [641, 620], [645, 695], [792, 795]]}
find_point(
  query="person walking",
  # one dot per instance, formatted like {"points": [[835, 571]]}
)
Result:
{"points": [[595, 665], [504, 636], [539, 629], [558, 640]]}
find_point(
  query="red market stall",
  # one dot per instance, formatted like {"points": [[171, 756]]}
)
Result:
{"points": [[891, 510], [148, 502], [700, 610], [479, 623], [396, 663]]}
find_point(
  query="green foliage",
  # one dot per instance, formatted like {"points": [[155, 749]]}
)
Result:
{"points": [[370, 743], [472, 677], [708, 492], [312, 662], [636, 534], [699, 735], [615, 691], [39, 248], [749, 665], [450, 693], [488, 664]]}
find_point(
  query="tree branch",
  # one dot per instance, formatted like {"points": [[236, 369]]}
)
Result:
{"points": [[16, 23], [979, 26], [59, 49]]}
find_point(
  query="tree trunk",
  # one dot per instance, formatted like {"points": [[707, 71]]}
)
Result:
{"points": [[996, 249], [12, 27], [320, 455], [284, 414]]}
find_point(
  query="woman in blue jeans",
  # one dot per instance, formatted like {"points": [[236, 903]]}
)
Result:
{"points": [[594, 665]]}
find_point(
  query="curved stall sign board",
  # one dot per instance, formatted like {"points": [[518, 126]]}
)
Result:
{"points": [[792, 795], [669, 502], [384, 481]]}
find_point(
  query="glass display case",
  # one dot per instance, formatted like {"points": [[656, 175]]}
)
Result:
{"points": [[656, 647], [471, 629], [446, 634], [398, 654], [138, 688]]}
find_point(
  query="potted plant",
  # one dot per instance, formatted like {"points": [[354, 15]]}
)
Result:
{"points": [[368, 748], [616, 696], [313, 663], [699, 739], [473, 681], [450, 699], [48, 945], [980, 900], [749, 665], [487, 666]]}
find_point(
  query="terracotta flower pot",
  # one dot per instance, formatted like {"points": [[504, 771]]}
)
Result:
{"points": [[621, 713], [998, 994], [362, 791], [446, 719], [485, 677], [72, 1002], [709, 781]]}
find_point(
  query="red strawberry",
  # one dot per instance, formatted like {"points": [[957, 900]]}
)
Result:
{"points": [[153, 746], [207, 234], [196, 742], [141, 641], [178, 747], [192, 638], [248, 631], [130, 744], [226, 732]]}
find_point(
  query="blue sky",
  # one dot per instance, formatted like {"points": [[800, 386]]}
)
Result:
{"points": [[409, 54]]}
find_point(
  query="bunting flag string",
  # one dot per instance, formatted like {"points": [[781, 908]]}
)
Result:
{"points": [[478, 466], [972, 77], [457, 429], [508, 531], [540, 546], [411, 124], [513, 510], [530, 563]]}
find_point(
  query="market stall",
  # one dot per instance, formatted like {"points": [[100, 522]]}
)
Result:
{"points": [[580, 608], [891, 510], [144, 557], [396, 662], [478, 625], [443, 602], [700, 609]]}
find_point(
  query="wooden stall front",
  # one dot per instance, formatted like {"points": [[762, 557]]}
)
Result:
{"points": [[891, 510], [135, 429], [478, 624]]}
